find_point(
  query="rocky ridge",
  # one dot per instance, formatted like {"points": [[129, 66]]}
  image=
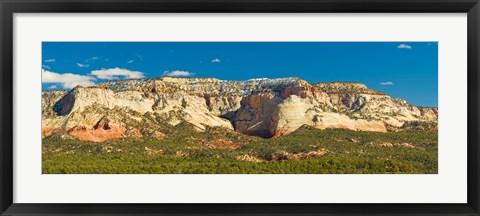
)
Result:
{"points": [[259, 107]]}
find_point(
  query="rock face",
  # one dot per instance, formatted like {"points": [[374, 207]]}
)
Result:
{"points": [[259, 107]]}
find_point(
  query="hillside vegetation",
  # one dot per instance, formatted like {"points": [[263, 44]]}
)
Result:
{"points": [[222, 151]]}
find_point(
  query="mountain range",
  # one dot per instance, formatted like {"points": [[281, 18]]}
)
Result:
{"points": [[263, 107]]}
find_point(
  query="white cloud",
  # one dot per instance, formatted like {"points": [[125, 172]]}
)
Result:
{"points": [[46, 67], [131, 61], [404, 46], [117, 73], [52, 87], [178, 73], [49, 60], [83, 65], [68, 80], [92, 59], [386, 83], [216, 60]]}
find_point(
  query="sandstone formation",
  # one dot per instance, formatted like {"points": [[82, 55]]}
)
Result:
{"points": [[259, 107]]}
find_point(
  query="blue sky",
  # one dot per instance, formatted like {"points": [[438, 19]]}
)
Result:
{"points": [[407, 70]]}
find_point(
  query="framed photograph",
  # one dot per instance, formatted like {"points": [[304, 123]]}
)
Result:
{"points": [[117, 107]]}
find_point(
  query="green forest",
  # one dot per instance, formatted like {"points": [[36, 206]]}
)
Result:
{"points": [[219, 151]]}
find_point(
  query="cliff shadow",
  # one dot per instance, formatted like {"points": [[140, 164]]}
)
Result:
{"points": [[65, 105]]}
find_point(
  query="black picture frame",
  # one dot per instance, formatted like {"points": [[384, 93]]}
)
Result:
{"points": [[9, 7]]}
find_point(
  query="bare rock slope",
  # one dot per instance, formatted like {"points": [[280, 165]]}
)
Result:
{"points": [[259, 107]]}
